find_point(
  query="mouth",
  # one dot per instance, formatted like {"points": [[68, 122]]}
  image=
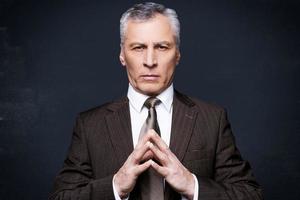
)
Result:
{"points": [[150, 77]]}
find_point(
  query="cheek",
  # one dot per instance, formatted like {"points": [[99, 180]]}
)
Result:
{"points": [[132, 66], [170, 70], [169, 74], [133, 73], [168, 63]]}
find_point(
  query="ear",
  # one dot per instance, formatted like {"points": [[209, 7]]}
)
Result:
{"points": [[121, 57], [178, 55]]}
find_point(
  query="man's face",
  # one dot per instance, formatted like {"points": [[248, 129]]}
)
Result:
{"points": [[150, 55]]}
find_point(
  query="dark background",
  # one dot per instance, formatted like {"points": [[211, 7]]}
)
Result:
{"points": [[60, 57]]}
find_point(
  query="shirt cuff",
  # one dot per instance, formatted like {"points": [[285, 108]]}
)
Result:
{"points": [[117, 197], [196, 190]]}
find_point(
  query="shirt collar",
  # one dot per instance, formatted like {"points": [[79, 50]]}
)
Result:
{"points": [[137, 99]]}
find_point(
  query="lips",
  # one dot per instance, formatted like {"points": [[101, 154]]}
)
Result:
{"points": [[150, 77]]}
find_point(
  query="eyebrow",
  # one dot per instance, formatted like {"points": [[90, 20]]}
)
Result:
{"points": [[163, 42], [155, 43], [136, 44]]}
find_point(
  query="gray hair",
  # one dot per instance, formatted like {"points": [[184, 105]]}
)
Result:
{"points": [[145, 11]]}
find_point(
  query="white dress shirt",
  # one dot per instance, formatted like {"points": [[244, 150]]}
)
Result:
{"points": [[139, 113]]}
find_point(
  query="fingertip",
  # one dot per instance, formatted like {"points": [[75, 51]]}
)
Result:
{"points": [[152, 132], [150, 145], [151, 161], [153, 164]]}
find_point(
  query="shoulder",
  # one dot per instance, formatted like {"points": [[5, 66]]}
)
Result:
{"points": [[199, 104], [103, 110], [209, 114]]}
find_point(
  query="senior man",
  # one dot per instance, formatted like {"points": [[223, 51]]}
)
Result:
{"points": [[156, 143]]}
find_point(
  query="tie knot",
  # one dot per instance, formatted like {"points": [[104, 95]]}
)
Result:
{"points": [[151, 102]]}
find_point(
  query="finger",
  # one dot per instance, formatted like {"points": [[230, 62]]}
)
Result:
{"points": [[139, 152], [157, 140], [159, 155], [143, 167], [142, 141], [147, 156], [159, 169]]}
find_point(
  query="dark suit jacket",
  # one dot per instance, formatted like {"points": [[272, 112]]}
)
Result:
{"points": [[201, 138]]}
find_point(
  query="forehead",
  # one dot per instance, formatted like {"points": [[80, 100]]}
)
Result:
{"points": [[155, 29]]}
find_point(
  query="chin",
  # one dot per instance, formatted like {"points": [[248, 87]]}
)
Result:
{"points": [[151, 91]]}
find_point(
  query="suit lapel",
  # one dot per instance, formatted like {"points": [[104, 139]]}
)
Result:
{"points": [[119, 126], [183, 121]]}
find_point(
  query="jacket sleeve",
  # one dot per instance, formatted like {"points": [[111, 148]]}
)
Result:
{"points": [[75, 180], [233, 179]]}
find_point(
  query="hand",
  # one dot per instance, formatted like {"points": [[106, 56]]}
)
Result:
{"points": [[179, 178], [137, 162]]}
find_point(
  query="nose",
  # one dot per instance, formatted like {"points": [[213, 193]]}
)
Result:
{"points": [[150, 59]]}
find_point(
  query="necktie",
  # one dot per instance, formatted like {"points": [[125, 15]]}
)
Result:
{"points": [[152, 185]]}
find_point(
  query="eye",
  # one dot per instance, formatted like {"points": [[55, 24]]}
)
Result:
{"points": [[162, 47], [138, 48]]}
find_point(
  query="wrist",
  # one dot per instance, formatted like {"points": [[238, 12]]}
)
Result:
{"points": [[189, 192], [122, 195]]}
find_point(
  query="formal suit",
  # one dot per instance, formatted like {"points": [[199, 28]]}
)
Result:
{"points": [[201, 138]]}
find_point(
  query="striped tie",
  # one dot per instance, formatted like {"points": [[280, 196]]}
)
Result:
{"points": [[151, 183]]}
